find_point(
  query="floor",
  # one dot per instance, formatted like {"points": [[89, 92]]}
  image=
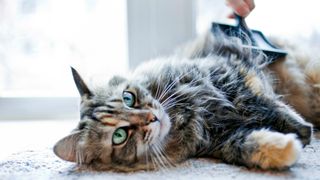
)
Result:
{"points": [[26, 153], [18, 135]]}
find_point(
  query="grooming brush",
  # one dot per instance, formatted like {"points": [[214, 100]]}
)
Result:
{"points": [[257, 41]]}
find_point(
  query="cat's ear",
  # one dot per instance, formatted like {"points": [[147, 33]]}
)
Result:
{"points": [[66, 147], [81, 85]]}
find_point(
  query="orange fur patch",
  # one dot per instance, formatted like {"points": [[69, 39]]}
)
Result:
{"points": [[109, 121], [275, 150], [254, 83]]}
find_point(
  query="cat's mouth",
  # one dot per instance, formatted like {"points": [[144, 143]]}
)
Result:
{"points": [[151, 130], [158, 127]]}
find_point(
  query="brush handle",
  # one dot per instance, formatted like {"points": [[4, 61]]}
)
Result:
{"points": [[243, 29]]}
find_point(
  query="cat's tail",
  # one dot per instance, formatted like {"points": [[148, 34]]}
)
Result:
{"points": [[218, 44]]}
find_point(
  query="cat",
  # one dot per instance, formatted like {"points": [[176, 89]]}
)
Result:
{"points": [[213, 98]]}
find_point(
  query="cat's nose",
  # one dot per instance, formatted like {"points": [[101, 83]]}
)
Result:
{"points": [[151, 118], [142, 119]]}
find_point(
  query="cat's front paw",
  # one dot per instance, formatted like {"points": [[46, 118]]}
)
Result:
{"points": [[274, 150]]}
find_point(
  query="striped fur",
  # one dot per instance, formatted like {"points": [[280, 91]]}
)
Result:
{"points": [[212, 99]]}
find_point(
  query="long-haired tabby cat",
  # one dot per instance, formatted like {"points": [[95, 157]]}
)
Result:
{"points": [[216, 100]]}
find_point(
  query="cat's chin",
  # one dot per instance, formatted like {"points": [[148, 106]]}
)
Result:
{"points": [[165, 126], [156, 132], [159, 129]]}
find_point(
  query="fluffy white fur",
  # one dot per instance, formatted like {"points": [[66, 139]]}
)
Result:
{"points": [[275, 150]]}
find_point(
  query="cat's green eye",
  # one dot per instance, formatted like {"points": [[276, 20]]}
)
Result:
{"points": [[119, 136], [128, 98]]}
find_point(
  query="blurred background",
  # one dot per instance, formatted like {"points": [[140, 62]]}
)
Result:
{"points": [[40, 39]]}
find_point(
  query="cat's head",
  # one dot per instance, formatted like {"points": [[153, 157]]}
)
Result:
{"points": [[120, 128]]}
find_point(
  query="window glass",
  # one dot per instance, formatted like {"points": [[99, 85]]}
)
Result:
{"points": [[40, 39]]}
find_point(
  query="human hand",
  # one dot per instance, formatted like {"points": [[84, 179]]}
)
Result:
{"points": [[241, 7]]}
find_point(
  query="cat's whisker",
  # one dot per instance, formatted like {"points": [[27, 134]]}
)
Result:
{"points": [[163, 166], [157, 91], [155, 160], [170, 98], [162, 159], [185, 87], [170, 86], [79, 156], [159, 158], [175, 99], [167, 88], [157, 94], [162, 153], [169, 105], [174, 105], [155, 166], [175, 93], [146, 156], [149, 154]]}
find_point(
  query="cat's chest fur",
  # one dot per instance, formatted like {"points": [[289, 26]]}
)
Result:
{"points": [[204, 97]]}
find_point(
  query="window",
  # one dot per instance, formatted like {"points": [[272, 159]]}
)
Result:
{"points": [[40, 39]]}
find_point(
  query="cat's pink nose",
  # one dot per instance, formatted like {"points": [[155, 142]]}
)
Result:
{"points": [[151, 118], [142, 119]]}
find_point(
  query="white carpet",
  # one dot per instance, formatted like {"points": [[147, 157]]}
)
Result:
{"points": [[43, 164]]}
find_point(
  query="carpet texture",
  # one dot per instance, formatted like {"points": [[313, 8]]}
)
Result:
{"points": [[43, 164]]}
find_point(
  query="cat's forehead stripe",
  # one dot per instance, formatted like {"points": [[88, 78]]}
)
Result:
{"points": [[115, 100]]}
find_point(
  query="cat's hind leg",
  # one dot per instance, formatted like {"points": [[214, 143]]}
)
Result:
{"points": [[262, 148], [312, 72]]}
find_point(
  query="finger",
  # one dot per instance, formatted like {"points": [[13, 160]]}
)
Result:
{"points": [[239, 6], [231, 16], [250, 4]]}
